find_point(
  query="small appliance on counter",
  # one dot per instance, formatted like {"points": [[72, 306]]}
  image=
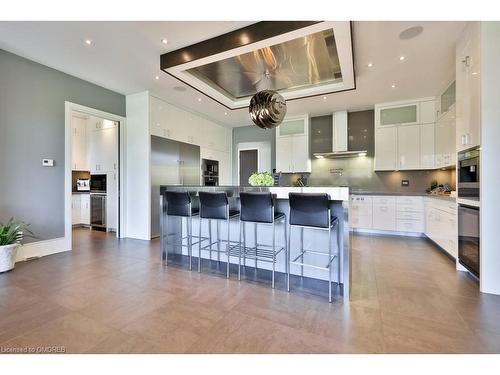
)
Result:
{"points": [[98, 201], [210, 172], [83, 185]]}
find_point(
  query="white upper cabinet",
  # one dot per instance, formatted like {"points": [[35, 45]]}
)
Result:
{"points": [[292, 146], [409, 147], [168, 121], [404, 135], [103, 148], [468, 72], [79, 159], [386, 149], [402, 114], [445, 139], [428, 112], [427, 146]]}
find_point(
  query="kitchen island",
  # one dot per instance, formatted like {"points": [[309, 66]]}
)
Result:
{"points": [[313, 239]]}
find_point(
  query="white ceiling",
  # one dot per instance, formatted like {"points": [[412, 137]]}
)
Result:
{"points": [[125, 57]]}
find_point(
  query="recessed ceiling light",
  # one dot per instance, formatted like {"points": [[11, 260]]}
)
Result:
{"points": [[225, 113], [157, 77], [401, 58], [393, 86], [164, 41], [370, 65], [199, 99], [411, 33], [324, 97], [88, 42]]}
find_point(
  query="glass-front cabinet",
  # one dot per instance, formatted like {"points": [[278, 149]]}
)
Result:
{"points": [[292, 127], [399, 115]]}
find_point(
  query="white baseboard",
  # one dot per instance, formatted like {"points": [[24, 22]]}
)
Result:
{"points": [[42, 248], [387, 232]]}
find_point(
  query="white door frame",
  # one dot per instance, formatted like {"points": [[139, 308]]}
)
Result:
{"points": [[248, 148], [69, 107]]}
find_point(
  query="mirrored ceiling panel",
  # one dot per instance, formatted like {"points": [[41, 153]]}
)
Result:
{"points": [[311, 60]]}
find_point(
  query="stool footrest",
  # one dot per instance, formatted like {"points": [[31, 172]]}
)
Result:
{"points": [[261, 253], [304, 252]]}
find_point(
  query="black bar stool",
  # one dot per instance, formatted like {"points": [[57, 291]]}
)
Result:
{"points": [[313, 211], [258, 208], [215, 206], [179, 204]]}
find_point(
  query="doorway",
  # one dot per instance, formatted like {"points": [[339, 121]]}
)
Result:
{"points": [[248, 164], [93, 173]]}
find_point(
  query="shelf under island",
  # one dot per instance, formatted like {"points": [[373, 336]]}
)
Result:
{"points": [[312, 239]]}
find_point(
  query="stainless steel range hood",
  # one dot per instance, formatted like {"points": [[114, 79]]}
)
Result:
{"points": [[340, 140], [339, 154]]}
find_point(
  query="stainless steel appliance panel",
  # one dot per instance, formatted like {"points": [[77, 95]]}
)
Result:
{"points": [[98, 210], [172, 163]]}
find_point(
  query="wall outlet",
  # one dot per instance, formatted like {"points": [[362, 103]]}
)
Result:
{"points": [[405, 183]]}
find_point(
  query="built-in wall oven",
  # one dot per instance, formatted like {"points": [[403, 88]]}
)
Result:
{"points": [[469, 238], [468, 173]]}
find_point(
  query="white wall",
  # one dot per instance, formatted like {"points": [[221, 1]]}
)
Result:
{"points": [[490, 156], [137, 177]]}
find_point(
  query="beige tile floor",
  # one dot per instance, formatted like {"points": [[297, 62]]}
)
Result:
{"points": [[110, 296]]}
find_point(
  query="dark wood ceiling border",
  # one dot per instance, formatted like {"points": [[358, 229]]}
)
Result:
{"points": [[234, 39]]}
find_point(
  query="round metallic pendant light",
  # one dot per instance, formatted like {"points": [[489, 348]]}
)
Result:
{"points": [[267, 109]]}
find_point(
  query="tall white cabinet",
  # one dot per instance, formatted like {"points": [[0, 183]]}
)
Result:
{"points": [[468, 88]]}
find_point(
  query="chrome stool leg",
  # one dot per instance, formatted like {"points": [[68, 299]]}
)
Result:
{"points": [[330, 265], [289, 258], [302, 251], [228, 246], [218, 240], [239, 254], [189, 223], [210, 238], [274, 251], [255, 243], [244, 245], [199, 245]]}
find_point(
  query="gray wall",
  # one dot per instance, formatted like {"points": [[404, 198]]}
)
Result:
{"points": [[252, 134], [32, 100]]}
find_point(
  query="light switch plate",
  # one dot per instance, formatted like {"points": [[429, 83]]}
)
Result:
{"points": [[47, 162]]}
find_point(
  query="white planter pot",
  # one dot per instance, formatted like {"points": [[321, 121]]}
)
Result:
{"points": [[8, 257]]}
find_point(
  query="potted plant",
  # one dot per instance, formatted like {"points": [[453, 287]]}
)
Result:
{"points": [[261, 179], [11, 235]]}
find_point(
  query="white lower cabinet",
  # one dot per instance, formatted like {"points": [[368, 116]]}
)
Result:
{"points": [[360, 211], [441, 224], [384, 213], [387, 213], [80, 209]]}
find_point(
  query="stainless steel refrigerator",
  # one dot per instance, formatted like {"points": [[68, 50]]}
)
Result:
{"points": [[172, 163]]}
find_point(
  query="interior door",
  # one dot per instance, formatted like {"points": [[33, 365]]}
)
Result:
{"points": [[248, 165]]}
